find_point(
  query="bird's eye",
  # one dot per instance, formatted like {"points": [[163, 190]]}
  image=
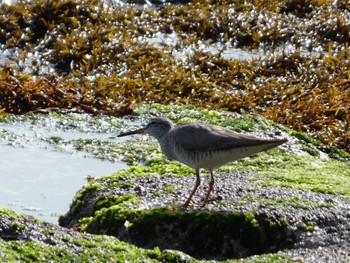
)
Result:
{"points": [[151, 123]]}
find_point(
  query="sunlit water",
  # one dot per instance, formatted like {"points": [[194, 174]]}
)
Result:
{"points": [[41, 179]]}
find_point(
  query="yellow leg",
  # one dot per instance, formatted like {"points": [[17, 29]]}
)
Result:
{"points": [[198, 182], [210, 189]]}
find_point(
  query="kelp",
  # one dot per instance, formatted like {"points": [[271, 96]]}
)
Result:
{"points": [[96, 56]]}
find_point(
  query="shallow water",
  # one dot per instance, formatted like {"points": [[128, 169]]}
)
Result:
{"points": [[41, 178]]}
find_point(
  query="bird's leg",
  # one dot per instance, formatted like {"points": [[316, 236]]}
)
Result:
{"points": [[198, 182], [211, 184]]}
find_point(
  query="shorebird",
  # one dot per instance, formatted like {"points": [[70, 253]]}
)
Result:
{"points": [[203, 146]]}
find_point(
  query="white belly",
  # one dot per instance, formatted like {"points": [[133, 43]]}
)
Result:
{"points": [[212, 159]]}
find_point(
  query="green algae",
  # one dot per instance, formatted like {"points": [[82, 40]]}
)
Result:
{"points": [[63, 245], [276, 257], [285, 202], [55, 139], [12, 251], [300, 172], [167, 188], [111, 212], [78, 200], [91, 249], [109, 201], [336, 153], [305, 138], [4, 212], [80, 247], [310, 227], [190, 227], [9, 213]]}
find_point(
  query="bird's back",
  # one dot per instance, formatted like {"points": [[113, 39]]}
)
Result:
{"points": [[209, 146]]}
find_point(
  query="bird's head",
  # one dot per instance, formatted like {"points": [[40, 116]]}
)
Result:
{"points": [[157, 127]]}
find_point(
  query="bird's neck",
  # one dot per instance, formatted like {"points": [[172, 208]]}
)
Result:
{"points": [[160, 135]]}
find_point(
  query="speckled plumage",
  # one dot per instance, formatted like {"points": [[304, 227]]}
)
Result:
{"points": [[203, 145]]}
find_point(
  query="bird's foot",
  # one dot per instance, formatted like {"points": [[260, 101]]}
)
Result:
{"points": [[181, 205], [203, 205], [205, 202]]}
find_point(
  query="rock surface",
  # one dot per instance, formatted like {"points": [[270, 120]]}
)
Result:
{"points": [[26, 239], [242, 219]]}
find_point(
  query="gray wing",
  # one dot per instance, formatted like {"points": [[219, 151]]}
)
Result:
{"points": [[203, 137]]}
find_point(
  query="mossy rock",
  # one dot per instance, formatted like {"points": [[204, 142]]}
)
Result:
{"points": [[200, 233], [26, 239], [242, 219]]}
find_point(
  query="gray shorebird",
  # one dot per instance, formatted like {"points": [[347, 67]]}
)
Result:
{"points": [[203, 146]]}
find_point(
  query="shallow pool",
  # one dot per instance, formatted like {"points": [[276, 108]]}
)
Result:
{"points": [[41, 178]]}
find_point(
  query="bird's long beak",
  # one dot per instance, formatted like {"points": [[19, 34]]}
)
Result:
{"points": [[142, 130]]}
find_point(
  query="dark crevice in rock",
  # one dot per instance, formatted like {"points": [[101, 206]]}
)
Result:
{"points": [[203, 234]]}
